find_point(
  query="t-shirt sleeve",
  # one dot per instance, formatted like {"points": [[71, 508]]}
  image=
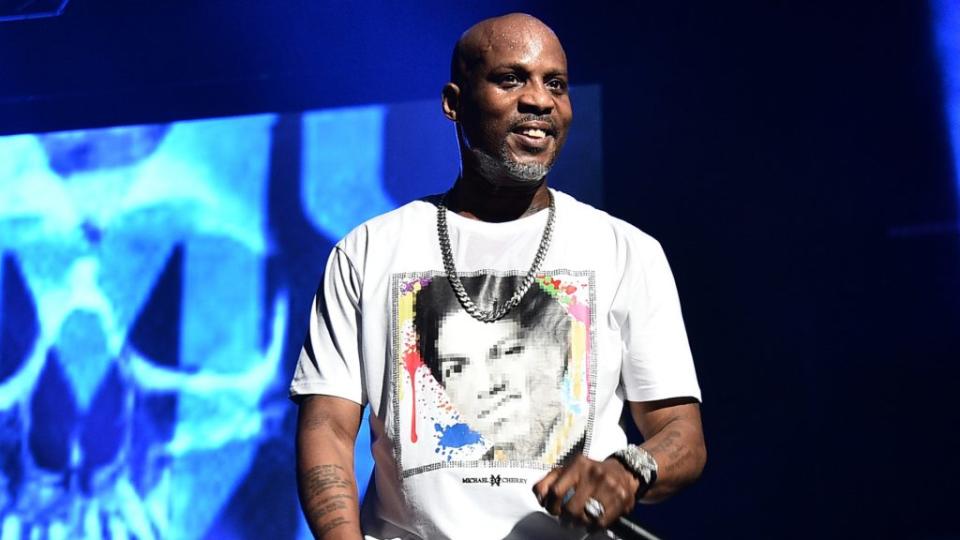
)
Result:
{"points": [[657, 363], [329, 362]]}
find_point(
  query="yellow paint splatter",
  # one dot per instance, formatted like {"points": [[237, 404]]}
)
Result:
{"points": [[405, 305], [578, 349]]}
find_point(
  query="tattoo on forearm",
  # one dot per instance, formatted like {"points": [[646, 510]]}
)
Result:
{"points": [[322, 508], [327, 490], [333, 524], [676, 453], [665, 442], [325, 477]]}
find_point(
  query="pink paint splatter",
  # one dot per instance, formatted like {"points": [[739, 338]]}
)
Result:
{"points": [[580, 312], [412, 361]]}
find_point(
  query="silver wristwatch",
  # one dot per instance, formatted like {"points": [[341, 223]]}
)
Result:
{"points": [[640, 463]]}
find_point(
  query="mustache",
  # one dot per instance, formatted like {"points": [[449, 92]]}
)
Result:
{"points": [[530, 117]]}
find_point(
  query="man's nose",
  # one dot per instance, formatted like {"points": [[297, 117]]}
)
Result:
{"points": [[536, 98]]}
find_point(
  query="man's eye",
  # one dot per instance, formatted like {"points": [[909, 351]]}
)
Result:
{"points": [[509, 79], [557, 84]]}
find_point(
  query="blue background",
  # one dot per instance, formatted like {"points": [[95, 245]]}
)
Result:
{"points": [[796, 160], [155, 287]]}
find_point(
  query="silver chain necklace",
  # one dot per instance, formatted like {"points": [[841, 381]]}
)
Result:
{"points": [[498, 312]]}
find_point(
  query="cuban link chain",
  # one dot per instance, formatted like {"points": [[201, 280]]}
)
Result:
{"points": [[451, 270]]}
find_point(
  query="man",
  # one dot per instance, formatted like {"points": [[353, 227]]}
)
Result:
{"points": [[449, 464]]}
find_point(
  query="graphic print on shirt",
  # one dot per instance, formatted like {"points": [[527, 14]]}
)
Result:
{"points": [[518, 392]]}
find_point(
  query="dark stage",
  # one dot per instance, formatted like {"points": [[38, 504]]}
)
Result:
{"points": [[164, 162]]}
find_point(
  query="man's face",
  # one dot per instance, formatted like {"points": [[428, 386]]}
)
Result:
{"points": [[515, 107], [505, 385]]}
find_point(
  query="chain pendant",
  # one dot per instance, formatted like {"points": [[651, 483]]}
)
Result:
{"points": [[469, 306]]}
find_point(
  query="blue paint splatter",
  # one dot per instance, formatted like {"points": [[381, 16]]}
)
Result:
{"points": [[457, 435]]}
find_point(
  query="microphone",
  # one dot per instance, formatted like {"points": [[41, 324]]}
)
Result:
{"points": [[624, 529]]}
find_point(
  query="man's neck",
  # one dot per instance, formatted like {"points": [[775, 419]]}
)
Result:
{"points": [[477, 198]]}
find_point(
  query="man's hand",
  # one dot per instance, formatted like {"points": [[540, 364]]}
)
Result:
{"points": [[673, 435], [608, 481]]}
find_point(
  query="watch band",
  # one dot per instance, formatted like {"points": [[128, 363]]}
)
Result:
{"points": [[641, 464]]}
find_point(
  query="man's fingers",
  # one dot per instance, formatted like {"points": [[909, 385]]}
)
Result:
{"points": [[560, 490], [611, 510], [605, 494], [542, 488], [575, 507]]}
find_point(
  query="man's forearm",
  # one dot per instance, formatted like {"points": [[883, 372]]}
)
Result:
{"points": [[680, 454], [328, 494], [674, 437], [325, 477]]}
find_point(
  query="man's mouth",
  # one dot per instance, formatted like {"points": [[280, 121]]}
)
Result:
{"points": [[534, 136], [534, 129], [533, 133]]}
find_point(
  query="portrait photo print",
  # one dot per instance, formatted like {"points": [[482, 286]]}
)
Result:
{"points": [[514, 391]]}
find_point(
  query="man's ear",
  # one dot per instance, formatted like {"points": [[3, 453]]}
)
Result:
{"points": [[450, 98]]}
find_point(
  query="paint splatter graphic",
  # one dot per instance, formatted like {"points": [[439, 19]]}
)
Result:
{"points": [[412, 362], [565, 293], [456, 435]]}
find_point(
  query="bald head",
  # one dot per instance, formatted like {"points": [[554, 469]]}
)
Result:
{"points": [[510, 31]]}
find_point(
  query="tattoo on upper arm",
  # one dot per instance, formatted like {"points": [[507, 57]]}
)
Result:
{"points": [[318, 418], [315, 420]]}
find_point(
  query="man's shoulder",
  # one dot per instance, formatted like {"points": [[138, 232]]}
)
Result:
{"points": [[412, 213], [598, 222], [391, 226]]}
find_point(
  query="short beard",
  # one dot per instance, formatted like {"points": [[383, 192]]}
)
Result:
{"points": [[493, 168]]}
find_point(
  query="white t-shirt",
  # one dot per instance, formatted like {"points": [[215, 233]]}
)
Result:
{"points": [[467, 416]]}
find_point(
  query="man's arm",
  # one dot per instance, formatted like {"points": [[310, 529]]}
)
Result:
{"points": [[326, 433], [673, 435]]}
